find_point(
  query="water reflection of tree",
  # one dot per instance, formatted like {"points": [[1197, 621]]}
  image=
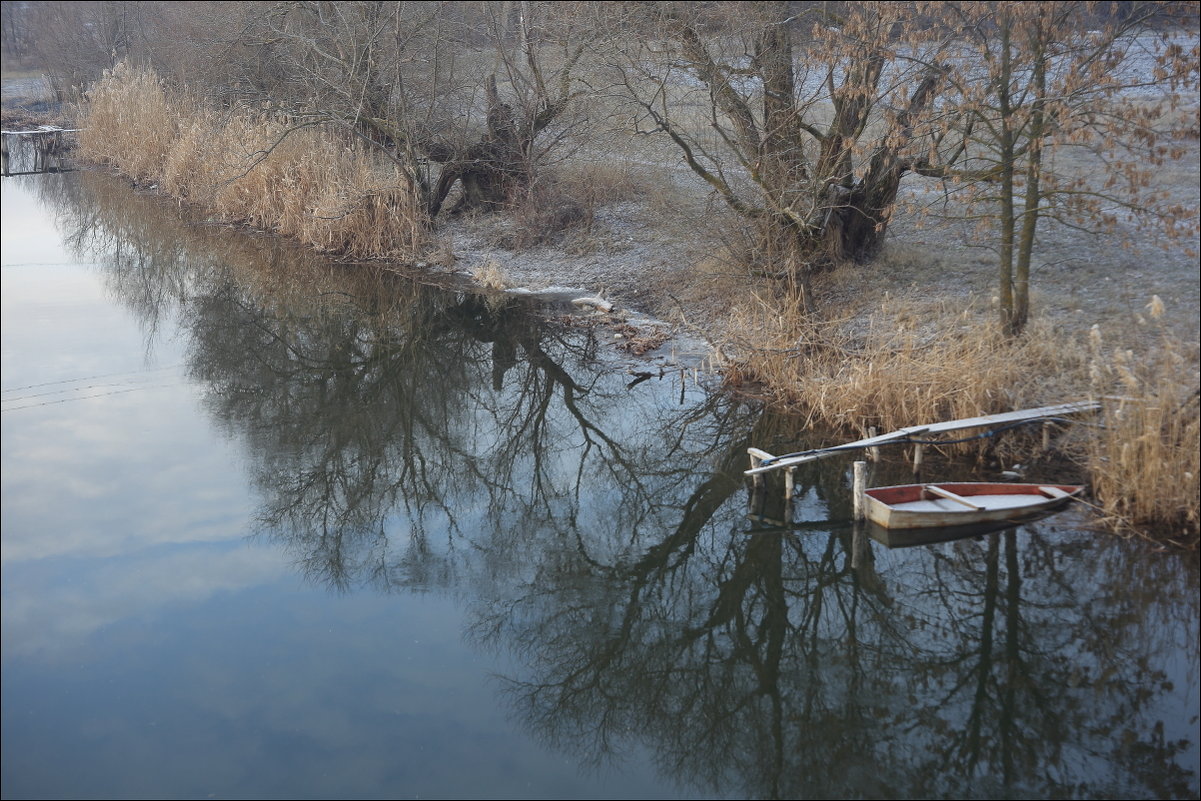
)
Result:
{"points": [[360, 396], [774, 669], [412, 438]]}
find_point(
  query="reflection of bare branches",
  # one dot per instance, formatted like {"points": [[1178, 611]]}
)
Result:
{"points": [[767, 663], [406, 437], [327, 380]]}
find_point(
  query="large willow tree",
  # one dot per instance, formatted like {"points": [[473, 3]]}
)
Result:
{"points": [[802, 120]]}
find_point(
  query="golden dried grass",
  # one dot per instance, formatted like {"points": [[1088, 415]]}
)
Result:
{"points": [[128, 123], [907, 365], [1145, 462], [188, 159], [312, 184], [490, 275]]}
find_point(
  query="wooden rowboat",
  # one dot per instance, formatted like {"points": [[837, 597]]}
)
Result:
{"points": [[938, 505]]}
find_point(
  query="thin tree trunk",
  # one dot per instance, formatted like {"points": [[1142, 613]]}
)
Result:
{"points": [[1008, 212], [1033, 199]]}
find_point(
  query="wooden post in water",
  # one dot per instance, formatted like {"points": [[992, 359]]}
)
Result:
{"points": [[1047, 436], [873, 452], [789, 483], [917, 460], [758, 457], [860, 500], [755, 500]]}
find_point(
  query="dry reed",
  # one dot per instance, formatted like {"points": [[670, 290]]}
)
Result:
{"points": [[127, 123], [316, 185], [1145, 462], [891, 373], [490, 275]]}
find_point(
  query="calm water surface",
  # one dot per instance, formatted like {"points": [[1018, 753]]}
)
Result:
{"points": [[279, 529]]}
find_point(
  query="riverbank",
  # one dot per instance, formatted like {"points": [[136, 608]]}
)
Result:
{"points": [[907, 338], [664, 249]]}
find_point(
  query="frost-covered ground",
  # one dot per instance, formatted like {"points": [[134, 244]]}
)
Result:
{"points": [[665, 263], [660, 256]]}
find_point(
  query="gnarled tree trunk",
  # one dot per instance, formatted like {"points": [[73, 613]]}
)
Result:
{"points": [[490, 170], [820, 187]]}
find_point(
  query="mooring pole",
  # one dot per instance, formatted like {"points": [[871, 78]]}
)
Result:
{"points": [[873, 452], [860, 505], [858, 544], [758, 457], [917, 459], [788, 485]]}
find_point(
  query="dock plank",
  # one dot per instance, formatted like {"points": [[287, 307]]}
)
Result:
{"points": [[984, 421]]}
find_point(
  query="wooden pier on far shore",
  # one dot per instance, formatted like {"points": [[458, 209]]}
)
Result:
{"points": [[48, 146]]}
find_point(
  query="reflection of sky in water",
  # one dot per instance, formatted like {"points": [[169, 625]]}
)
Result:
{"points": [[104, 453], [275, 692], [29, 233], [150, 647], [115, 492]]}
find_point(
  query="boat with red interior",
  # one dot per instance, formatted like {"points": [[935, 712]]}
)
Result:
{"points": [[957, 504]]}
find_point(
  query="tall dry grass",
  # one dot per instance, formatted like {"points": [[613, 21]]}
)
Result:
{"points": [[1145, 462], [128, 123], [314, 184], [900, 368]]}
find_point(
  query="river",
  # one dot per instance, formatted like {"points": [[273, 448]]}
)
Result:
{"points": [[279, 528]]}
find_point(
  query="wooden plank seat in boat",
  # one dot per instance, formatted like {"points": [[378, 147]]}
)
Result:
{"points": [[979, 502]]}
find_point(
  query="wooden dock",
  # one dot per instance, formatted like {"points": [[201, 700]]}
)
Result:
{"points": [[764, 462], [48, 146], [41, 130]]}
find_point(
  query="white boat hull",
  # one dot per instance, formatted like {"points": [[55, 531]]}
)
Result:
{"points": [[958, 504]]}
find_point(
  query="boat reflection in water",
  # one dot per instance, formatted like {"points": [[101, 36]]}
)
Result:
{"points": [[910, 537]]}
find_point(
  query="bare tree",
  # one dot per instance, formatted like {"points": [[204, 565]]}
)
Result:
{"points": [[15, 30], [76, 41], [1066, 111], [802, 121], [454, 94]]}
